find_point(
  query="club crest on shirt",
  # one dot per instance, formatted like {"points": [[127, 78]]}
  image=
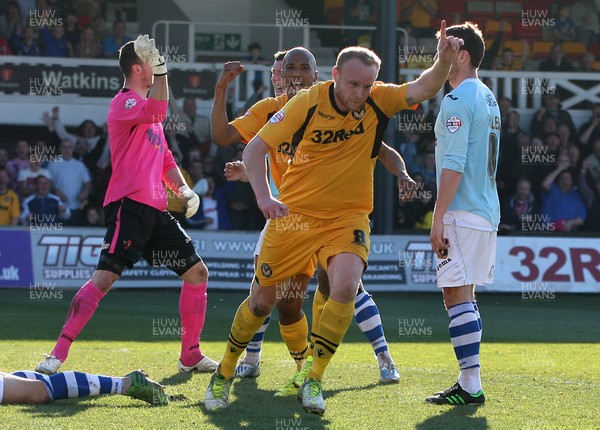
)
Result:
{"points": [[453, 124], [358, 114], [129, 103], [266, 270], [278, 117]]}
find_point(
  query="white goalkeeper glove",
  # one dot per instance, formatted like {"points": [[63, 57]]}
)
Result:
{"points": [[190, 200], [145, 49]]}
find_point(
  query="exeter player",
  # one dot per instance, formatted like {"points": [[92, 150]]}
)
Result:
{"points": [[299, 72], [467, 210], [138, 224], [337, 127], [31, 387]]}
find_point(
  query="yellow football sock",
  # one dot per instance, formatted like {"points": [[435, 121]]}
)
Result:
{"points": [[245, 325], [319, 301], [334, 322], [294, 336]]}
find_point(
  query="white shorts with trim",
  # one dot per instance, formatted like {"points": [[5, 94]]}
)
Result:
{"points": [[471, 257], [260, 240]]}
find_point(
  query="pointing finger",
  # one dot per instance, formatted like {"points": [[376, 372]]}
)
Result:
{"points": [[443, 30]]}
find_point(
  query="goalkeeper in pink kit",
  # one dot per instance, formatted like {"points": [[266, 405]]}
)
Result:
{"points": [[137, 221]]}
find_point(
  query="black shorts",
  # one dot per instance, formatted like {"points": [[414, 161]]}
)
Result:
{"points": [[136, 230]]}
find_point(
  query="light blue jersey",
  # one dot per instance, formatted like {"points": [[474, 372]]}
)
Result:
{"points": [[467, 132], [274, 190]]}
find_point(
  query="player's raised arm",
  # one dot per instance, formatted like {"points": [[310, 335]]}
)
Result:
{"points": [[431, 80], [222, 132], [256, 170]]}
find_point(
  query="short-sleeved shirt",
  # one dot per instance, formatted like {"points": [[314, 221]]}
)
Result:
{"points": [[333, 153], [467, 132], [249, 124], [139, 152], [9, 207]]}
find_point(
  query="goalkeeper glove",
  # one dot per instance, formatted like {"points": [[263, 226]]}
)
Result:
{"points": [[191, 200], [145, 49]]}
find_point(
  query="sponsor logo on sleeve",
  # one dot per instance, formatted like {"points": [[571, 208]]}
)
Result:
{"points": [[278, 117], [130, 103], [453, 124]]}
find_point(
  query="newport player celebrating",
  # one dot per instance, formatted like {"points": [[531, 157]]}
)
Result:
{"points": [[328, 186], [467, 211], [299, 72], [138, 224], [31, 387]]}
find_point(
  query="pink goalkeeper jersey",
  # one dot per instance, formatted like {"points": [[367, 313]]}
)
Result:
{"points": [[139, 152]]}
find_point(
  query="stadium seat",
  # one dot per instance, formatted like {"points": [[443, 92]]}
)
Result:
{"points": [[508, 9], [480, 11], [492, 26], [516, 45], [449, 8], [527, 32], [574, 49], [595, 49], [541, 49]]}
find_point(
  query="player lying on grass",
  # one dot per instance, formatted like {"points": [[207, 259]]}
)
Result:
{"points": [[31, 387], [298, 72]]}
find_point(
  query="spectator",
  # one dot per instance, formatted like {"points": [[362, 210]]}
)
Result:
{"points": [[258, 94], [255, 57], [113, 42], [87, 133], [9, 201], [574, 155], [518, 207], [27, 6], [556, 62], [11, 22], [54, 43], [419, 13], [428, 170], [72, 33], [591, 197], [5, 47], [359, 13], [587, 63], [88, 46], [91, 217], [72, 181], [26, 45], [565, 136], [43, 209], [413, 211], [209, 207], [197, 127], [564, 28], [550, 108], [585, 18], [505, 105], [100, 28], [508, 61], [26, 178], [20, 162], [3, 159], [198, 178], [561, 202], [590, 131], [593, 160]]}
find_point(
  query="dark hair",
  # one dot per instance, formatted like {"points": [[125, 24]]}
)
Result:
{"points": [[127, 58], [80, 128], [254, 45], [473, 40], [278, 56]]}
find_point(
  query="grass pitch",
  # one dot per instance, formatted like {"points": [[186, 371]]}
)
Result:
{"points": [[540, 365]]}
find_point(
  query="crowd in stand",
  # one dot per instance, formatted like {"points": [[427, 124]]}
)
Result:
{"points": [[548, 174], [71, 28]]}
